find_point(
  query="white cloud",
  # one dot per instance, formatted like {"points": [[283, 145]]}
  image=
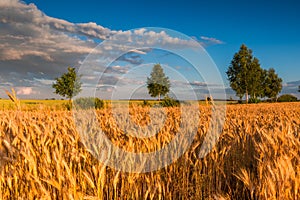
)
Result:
{"points": [[26, 91], [137, 51], [211, 40], [36, 48], [26, 31]]}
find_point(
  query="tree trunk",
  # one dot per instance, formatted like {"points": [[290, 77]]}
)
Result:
{"points": [[158, 97], [247, 96]]}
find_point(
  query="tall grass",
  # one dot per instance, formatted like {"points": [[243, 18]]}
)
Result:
{"points": [[257, 157]]}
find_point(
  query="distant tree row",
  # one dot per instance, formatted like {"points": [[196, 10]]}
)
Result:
{"points": [[247, 78], [68, 85], [245, 75]]}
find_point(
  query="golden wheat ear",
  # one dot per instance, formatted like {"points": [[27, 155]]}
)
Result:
{"points": [[13, 98], [9, 95]]}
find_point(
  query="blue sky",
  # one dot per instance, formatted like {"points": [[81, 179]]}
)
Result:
{"points": [[270, 28]]}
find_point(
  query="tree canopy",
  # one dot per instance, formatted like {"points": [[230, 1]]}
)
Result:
{"points": [[247, 78], [158, 83], [273, 84], [68, 85], [238, 71]]}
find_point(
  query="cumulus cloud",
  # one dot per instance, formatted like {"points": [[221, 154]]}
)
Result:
{"points": [[36, 48], [13, 11], [26, 31], [26, 91], [33, 45]]}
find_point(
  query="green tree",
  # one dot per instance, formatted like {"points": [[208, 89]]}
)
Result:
{"points": [[238, 71], [272, 84], [247, 78], [255, 77], [68, 84], [158, 83]]}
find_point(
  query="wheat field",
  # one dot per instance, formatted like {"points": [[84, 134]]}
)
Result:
{"points": [[256, 157]]}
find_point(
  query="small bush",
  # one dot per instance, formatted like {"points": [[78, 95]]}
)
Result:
{"points": [[99, 104], [169, 102], [240, 102], [145, 103], [287, 98], [67, 105], [89, 102], [254, 100]]}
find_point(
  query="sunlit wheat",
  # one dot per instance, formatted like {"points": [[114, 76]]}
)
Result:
{"points": [[256, 157]]}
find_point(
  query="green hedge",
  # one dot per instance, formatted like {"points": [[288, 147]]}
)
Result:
{"points": [[287, 98], [169, 102], [88, 102], [254, 100]]}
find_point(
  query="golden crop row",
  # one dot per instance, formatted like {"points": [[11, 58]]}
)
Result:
{"points": [[256, 156]]}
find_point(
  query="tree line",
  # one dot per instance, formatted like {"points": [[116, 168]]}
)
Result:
{"points": [[245, 75], [247, 78]]}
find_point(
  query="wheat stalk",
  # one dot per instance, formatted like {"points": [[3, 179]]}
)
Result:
{"points": [[13, 97]]}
